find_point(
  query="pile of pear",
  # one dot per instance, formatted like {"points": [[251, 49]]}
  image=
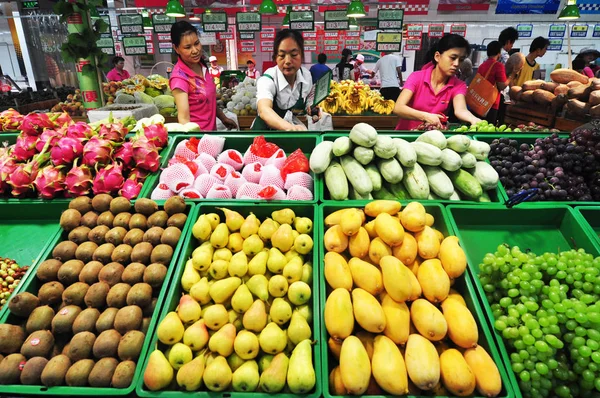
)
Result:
{"points": [[395, 324], [243, 321]]}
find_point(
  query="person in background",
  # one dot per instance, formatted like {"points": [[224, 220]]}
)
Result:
{"points": [[252, 72], [343, 70], [429, 57], [390, 70], [465, 70], [319, 69], [428, 93], [507, 40], [118, 73], [360, 69], [537, 49], [193, 88], [588, 55], [214, 70], [578, 65]]}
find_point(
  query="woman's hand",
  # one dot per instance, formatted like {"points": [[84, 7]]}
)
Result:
{"points": [[474, 121], [230, 124], [433, 119], [296, 127]]}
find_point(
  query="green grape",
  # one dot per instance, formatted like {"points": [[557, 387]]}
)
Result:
{"points": [[597, 384], [544, 321], [583, 361], [552, 364], [542, 346], [537, 333], [524, 376], [519, 345], [585, 351], [578, 342], [523, 354], [593, 367], [515, 357], [580, 331], [517, 367], [523, 330], [596, 357], [532, 306], [553, 319], [529, 339], [500, 325], [535, 376], [505, 302], [559, 307], [554, 329], [541, 368], [513, 293], [594, 334], [571, 325]]}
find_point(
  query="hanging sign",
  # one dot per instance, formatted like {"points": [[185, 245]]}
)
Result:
{"points": [[596, 30], [246, 36], [413, 43], [162, 23], [302, 20], [165, 48], [389, 42], [135, 45], [107, 45], [557, 30], [352, 43], [30, 5], [579, 30], [463, 5], [436, 30], [310, 45], [336, 20], [459, 29], [555, 45], [214, 22], [414, 30], [528, 7], [248, 21], [229, 35], [390, 19], [131, 23], [248, 46], [525, 29]]}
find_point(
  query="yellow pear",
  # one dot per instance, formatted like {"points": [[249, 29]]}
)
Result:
{"points": [[307, 273], [299, 293], [202, 228], [170, 330], [222, 254], [301, 376], [355, 366], [306, 311], [215, 316], [246, 377], [202, 256], [290, 254], [397, 315], [253, 245], [339, 316], [422, 362], [217, 375], [219, 269], [255, 319], [233, 219], [190, 276], [276, 261], [246, 345], [295, 234], [259, 286], [280, 311], [235, 243], [265, 361], [250, 226], [234, 361], [189, 376], [272, 379], [242, 299], [293, 270], [283, 238], [223, 289], [188, 310], [199, 291], [367, 311], [222, 341], [396, 280], [303, 244], [179, 354], [213, 219], [284, 216], [258, 264], [267, 228], [220, 236], [196, 336], [298, 329], [272, 339], [234, 318], [389, 369], [238, 265], [159, 372], [304, 225], [278, 286]]}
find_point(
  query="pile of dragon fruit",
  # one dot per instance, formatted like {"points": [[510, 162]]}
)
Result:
{"points": [[56, 157], [202, 169], [10, 120]]}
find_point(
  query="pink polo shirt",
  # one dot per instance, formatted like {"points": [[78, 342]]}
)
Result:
{"points": [[425, 100], [115, 76], [201, 93]]}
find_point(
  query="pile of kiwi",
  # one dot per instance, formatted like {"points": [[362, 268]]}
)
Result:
{"points": [[87, 323]]}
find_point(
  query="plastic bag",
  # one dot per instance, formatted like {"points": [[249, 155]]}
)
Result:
{"points": [[294, 163], [261, 148], [230, 115], [325, 123]]}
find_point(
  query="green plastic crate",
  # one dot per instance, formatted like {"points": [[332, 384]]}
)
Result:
{"points": [[496, 196], [241, 142], [463, 285], [481, 229], [589, 216], [32, 285], [175, 291]]}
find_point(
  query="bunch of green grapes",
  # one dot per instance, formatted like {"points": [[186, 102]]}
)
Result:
{"points": [[547, 310]]}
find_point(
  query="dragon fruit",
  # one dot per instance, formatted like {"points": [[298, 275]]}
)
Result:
{"points": [[113, 131], [109, 179], [49, 181], [35, 123], [80, 130], [131, 189], [146, 156], [7, 167], [66, 150], [21, 179], [63, 119], [78, 180], [124, 154], [11, 120], [138, 174], [157, 134], [97, 151], [25, 148], [52, 135]]}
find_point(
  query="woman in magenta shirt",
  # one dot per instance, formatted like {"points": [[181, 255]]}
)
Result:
{"points": [[192, 86], [427, 94], [118, 73]]}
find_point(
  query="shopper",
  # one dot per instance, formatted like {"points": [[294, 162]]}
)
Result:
{"points": [[537, 49], [193, 88], [465, 70], [588, 55], [214, 70], [428, 93], [252, 72], [343, 70], [360, 70], [507, 40], [319, 69], [118, 72], [578, 65], [390, 71]]}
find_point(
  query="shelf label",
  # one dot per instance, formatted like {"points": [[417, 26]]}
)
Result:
{"points": [[413, 44], [525, 29], [135, 45], [555, 45], [162, 23], [579, 30], [557, 30], [389, 42], [214, 22], [596, 30], [246, 36], [302, 20], [248, 46], [336, 20], [248, 21], [414, 30], [390, 19], [459, 29], [131, 23], [436, 30]]}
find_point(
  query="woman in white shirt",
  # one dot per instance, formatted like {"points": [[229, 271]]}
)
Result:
{"points": [[284, 88]]}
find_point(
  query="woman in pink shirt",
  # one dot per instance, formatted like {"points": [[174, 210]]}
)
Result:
{"points": [[427, 94], [193, 88], [118, 73]]}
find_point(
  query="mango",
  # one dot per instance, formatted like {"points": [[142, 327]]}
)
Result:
{"points": [[428, 244], [487, 376], [397, 315], [396, 279], [351, 222], [367, 311], [370, 228], [453, 257], [462, 328], [377, 207], [366, 276], [422, 362], [407, 252], [335, 240], [339, 317], [439, 235], [355, 367], [388, 367], [359, 243], [335, 347], [433, 280], [414, 267], [416, 291], [389, 229], [413, 217], [456, 375], [429, 220], [378, 249], [456, 296], [368, 340], [337, 272], [336, 385], [428, 320], [335, 218]]}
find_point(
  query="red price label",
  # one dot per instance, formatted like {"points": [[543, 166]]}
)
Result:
{"points": [[90, 96]]}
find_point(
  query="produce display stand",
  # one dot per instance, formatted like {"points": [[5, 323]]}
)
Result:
{"points": [[524, 112], [171, 301], [481, 229], [464, 285], [340, 122], [32, 285]]}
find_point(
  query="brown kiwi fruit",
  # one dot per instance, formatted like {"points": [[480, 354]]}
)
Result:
{"points": [[89, 219], [55, 371], [38, 344], [90, 271], [174, 205], [96, 295], [11, 338], [106, 218], [123, 375], [158, 219], [115, 235], [154, 235], [177, 220], [48, 270], [107, 343], [102, 373], [149, 310], [69, 272], [81, 346], [111, 273], [128, 318], [23, 304], [79, 235], [145, 324], [119, 205], [122, 254], [134, 237], [133, 273], [104, 253], [40, 319], [106, 319], [70, 219], [138, 221], [74, 294], [65, 250], [141, 253], [140, 294], [155, 274], [131, 345], [85, 251], [86, 320], [50, 293], [32, 371], [64, 318], [82, 204], [171, 236], [122, 220], [117, 296], [162, 254], [97, 234], [145, 206], [77, 375], [101, 202], [10, 368]]}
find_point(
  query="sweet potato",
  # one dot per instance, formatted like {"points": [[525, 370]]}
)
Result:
{"points": [[515, 93], [565, 76], [582, 93], [532, 84], [574, 84], [561, 89], [595, 111], [527, 96], [549, 86], [577, 107], [543, 97], [594, 98]]}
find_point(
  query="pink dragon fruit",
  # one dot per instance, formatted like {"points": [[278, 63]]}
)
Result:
{"points": [[78, 180], [7, 167], [109, 179], [25, 148], [63, 119], [138, 174], [66, 150], [52, 135], [131, 189], [146, 156], [21, 179], [97, 151], [35, 123], [157, 134], [124, 154], [80, 130], [49, 182], [11, 120], [113, 131]]}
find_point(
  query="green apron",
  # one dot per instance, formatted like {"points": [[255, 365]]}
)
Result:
{"points": [[297, 108]]}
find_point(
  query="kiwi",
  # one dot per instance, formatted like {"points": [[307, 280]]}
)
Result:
{"points": [[79, 235], [11, 338], [122, 254], [106, 319], [111, 273], [40, 319], [119, 205], [55, 371], [50, 293], [115, 235], [85, 251], [149, 310], [74, 294], [10, 368], [69, 272], [174, 205], [102, 373], [107, 343], [123, 375], [177, 220], [81, 346], [97, 234], [155, 274], [140, 294], [134, 237], [70, 219], [38, 344], [138, 221], [117, 296], [90, 219], [48, 270], [146, 206], [122, 220], [63, 320], [141, 253], [77, 375], [154, 235], [101, 202], [106, 219], [89, 273], [82, 204], [171, 236], [86, 320], [162, 254], [96, 295], [32, 371], [65, 251], [158, 219], [23, 304], [131, 345], [128, 318], [104, 253]]}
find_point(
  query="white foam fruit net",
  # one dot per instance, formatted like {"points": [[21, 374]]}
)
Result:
{"points": [[211, 144], [201, 169], [252, 172], [232, 158], [204, 182], [271, 192], [190, 193], [278, 159], [161, 192], [249, 157], [298, 192], [221, 171], [234, 181], [206, 160], [182, 150], [299, 178], [219, 191], [248, 190], [177, 177], [271, 176]]}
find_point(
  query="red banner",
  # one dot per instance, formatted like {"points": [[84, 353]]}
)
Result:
{"points": [[411, 7], [463, 5]]}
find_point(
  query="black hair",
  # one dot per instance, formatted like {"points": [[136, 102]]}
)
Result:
{"points": [[493, 48], [117, 59], [508, 35], [450, 41], [288, 34], [539, 43], [346, 52], [322, 58], [180, 29], [578, 64]]}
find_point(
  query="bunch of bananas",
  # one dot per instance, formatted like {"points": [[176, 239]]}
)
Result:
{"points": [[383, 106], [354, 98], [356, 101], [331, 104]]}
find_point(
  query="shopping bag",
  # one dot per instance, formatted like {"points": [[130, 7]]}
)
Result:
{"points": [[325, 123], [481, 94]]}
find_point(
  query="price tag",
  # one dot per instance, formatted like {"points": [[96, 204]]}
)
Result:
{"points": [[309, 35], [248, 21], [436, 30], [246, 36], [108, 51], [106, 42], [557, 30], [414, 30], [135, 45], [30, 5], [162, 23], [165, 48], [389, 42], [525, 29], [596, 30], [413, 44], [302, 20], [267, 33], [131, 23], [164, 37], [310, 45], [459, 29], [322, 87], [248, 46], [214, 22], [336, 20], [579, 30], [266, 46], [353, 33], [390, 19], [555, 45]]}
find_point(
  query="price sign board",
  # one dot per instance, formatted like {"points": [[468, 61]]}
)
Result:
{"points": [[131, 23], [248, 46], [413, 43], [165, 48], [579, 30], [302, 20], [322, 87], [555, 45], [525, 29], [106, 42], [389, 42], [266, 46], [336, 20], [414, 30], [390, 19], [214, 22], [135, 45], [459, 29], [310, 45], [162, 23], [248, 21], [557, 30], [596, 30], [246, 36], [30, 5], [436, 30]]}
